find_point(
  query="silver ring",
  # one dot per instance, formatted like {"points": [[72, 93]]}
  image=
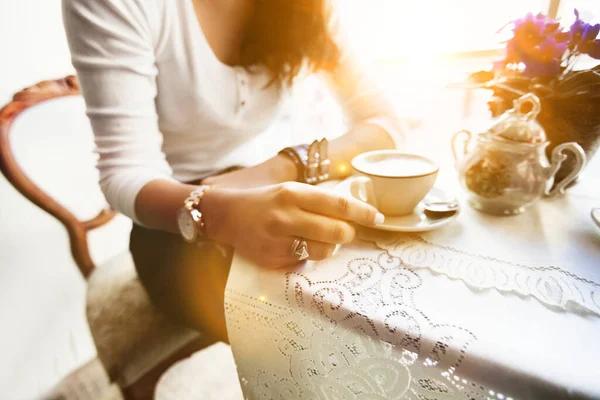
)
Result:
{"points": [[300, 249]]}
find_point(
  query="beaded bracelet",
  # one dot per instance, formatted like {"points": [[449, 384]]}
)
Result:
{"points": [[311, 161]]}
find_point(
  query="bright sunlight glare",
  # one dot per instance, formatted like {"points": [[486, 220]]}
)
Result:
{"points": [[428, 28]]}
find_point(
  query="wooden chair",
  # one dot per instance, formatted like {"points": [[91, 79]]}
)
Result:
{"points": [[135, 343]]}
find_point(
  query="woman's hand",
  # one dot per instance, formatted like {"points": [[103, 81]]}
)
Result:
{"points": [[262, 223]]}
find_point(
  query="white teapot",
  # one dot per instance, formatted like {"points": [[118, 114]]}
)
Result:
{"points": [[507, 170]]}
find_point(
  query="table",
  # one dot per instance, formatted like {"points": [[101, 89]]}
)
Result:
{"points": [[484, 308]]}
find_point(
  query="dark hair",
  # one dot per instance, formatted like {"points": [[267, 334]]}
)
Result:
{"points": [[286, 35]]}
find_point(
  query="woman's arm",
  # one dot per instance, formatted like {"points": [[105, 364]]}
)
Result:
{"points": [[112, 49], [162, 214]]}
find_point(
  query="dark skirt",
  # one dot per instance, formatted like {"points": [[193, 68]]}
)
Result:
{"points": [[185, 281]]}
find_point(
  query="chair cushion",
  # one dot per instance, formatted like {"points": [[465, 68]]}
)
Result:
{"points": [[209, 374], [130, 334], [88, 382]]}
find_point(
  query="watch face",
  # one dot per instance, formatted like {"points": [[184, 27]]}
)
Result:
{"points": [[187, 225]]}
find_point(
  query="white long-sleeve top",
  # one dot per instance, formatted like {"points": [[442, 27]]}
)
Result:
{"points": [[163, 106]]}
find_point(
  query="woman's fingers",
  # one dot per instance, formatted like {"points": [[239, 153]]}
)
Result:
{"points": [[317, 251], [321, 228], [276, 252], [333, 205]]}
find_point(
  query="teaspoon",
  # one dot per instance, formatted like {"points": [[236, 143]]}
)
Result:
{"points": [[440, 208]]}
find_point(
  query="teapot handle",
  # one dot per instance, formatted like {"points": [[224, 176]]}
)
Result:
{"points": [[465, 145], [558, 157], [529, 98]]}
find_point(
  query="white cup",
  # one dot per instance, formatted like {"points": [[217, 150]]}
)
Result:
{"points": [[392, 181]]}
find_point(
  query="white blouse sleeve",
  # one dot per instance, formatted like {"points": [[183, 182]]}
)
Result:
{"points": [[362, 101], [113, 52]]}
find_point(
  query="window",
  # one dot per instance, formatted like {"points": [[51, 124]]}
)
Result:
{"points": [[401, 41], [383, 29], [589, 9]]}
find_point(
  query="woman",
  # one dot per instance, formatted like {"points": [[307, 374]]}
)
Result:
{"points": [[173, 88]]}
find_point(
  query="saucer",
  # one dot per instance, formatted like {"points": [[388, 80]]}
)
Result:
{"points": [[419, 220]]}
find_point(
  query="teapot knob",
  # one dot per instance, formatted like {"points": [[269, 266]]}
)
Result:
{"points": [[531, 99]]}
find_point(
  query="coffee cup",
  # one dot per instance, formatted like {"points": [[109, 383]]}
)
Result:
{"points": [[392, 181]]}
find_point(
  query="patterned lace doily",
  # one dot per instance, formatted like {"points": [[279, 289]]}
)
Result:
{"points": [[550, 285]]}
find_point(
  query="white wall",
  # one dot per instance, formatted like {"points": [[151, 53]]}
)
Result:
{"points": [[33, 43], [43, 334]]}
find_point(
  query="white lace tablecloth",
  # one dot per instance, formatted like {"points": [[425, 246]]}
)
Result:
{"points": [[484, 308]]}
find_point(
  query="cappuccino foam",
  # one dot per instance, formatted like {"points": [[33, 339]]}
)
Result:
{"points": [[397, 166]]}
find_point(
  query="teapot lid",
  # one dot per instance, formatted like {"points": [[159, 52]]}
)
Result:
{"points": [[521, 126]]}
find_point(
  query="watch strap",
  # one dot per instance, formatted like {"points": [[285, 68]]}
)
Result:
{"points": [[192, 205]]}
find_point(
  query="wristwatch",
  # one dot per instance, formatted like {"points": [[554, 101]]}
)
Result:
{"points": [[189, 217]]}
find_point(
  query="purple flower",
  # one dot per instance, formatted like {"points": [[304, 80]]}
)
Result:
{"points": [[551, 49], [545, 59], [513, 52], [545, 49], [528, 34], [552, 28], [535, 44], [529, 30], [583, 37], [577, 29]]}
